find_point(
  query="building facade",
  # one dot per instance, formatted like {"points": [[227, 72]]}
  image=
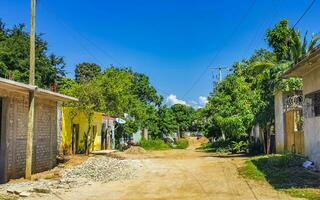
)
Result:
{"points": [[309, 70], [76, 129], [14, 105]]}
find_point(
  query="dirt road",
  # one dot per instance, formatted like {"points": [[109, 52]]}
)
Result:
{"points": [[179, 174]]}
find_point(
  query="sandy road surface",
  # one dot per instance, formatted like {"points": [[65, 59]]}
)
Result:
{"points": [[179, 174]]}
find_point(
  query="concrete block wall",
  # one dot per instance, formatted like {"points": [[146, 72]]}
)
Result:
{"points": [[45, 134]]}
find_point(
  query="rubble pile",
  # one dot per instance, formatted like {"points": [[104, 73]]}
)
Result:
{"points": [[95, 169], [102, 169]]}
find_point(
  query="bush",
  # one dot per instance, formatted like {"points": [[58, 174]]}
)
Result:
{"points": [[240, 146], [182, 143], [154, 144]]}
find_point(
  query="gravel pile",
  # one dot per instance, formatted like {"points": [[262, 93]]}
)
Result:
{"points": [[95, 169], [103, 169]]}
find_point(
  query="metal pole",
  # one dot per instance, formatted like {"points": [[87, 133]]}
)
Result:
{"points": [[220, 74], [28, 171]]}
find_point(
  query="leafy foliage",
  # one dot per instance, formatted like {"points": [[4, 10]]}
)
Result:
{"points": [[154, 144], [182, 143], [14, 58], [86, 71]]}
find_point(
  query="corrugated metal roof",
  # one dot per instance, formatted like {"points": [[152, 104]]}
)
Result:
{"points": [[14, 85]]}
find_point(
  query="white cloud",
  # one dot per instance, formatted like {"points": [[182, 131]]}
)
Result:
{"points": [[199, 103], [203, 101], [172, 99]]}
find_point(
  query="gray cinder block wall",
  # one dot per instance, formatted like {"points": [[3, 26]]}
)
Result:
{"points": [[15, 134]]}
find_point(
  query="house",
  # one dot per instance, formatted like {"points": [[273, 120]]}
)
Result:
{"points": [[289, 122], [309, 70], [75, 127], [14, 106]]}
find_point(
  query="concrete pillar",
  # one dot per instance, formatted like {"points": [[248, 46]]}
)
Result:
{"points": [[59, 128], [279, 122]]}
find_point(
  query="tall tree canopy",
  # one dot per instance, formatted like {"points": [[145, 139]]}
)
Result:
{"points": [[86, 71], [14, 58]]}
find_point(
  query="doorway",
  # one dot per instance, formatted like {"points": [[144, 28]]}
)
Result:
{"points": [[75, 138], [103, 136], [294, 138]]}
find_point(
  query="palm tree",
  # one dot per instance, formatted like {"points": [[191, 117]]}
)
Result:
{"points": [[301, 48]]}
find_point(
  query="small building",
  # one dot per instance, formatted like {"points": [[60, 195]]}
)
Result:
{"points": [[14, 106], [75, 130], [289, 122], [309, 70]]}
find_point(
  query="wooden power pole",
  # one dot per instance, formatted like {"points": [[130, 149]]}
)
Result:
{"points": [[31, 93]]}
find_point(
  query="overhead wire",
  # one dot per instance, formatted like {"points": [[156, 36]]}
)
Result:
{"points": [[221, 49], [304, 13], [65, 24]]}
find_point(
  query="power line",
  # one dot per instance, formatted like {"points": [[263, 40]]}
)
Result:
{"points": [[304, 13], [73, 36], [266, 22], [64, 23], [219, 51]]}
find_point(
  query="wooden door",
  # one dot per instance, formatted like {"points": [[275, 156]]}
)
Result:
{"points": [[75, 138], [294, 138]]}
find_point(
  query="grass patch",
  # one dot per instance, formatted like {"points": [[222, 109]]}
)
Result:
{"points": [[182, 144], [308, 193], [284, 173], [154, 144], [251, 171], [220, 146]]}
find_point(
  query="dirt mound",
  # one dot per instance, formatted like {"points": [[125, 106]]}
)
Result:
{"points": [[203, 140], [196, 142], [135, 150]]}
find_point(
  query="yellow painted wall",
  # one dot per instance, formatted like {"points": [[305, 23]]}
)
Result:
{"points": [[81, 119]]}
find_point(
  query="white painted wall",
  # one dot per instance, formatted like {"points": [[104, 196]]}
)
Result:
{"points": [[279, 122], [311, 83]]}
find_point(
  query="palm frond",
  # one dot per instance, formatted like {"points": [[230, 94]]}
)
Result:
{"points": [[314, 41]]}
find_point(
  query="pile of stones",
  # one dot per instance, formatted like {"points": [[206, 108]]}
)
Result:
{"points": [[95, 169], [102, 169]]}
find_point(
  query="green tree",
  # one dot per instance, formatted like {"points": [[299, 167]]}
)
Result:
{"points": [[86, 71], [301, 48], [167, 124], [280, 39], [14, 58], [231, 107], [184, 116]]}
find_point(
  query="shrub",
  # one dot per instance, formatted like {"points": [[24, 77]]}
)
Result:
{"points": [[240, 146], [182, 143], [221, 146], [154, 144]]}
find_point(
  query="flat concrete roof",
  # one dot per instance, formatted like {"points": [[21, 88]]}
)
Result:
{"points": [[17, 86], [306, 65]]}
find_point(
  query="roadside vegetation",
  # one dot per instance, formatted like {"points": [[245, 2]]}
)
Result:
{"points": [[245, 97], [154, 144], [159, 144], [182, 143], [285, 173]]}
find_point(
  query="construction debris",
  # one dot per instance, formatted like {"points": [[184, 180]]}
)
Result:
{"points": [[102, 169], [95, 169]]}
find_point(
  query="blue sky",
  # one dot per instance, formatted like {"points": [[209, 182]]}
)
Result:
{"points": [[172, 41]]}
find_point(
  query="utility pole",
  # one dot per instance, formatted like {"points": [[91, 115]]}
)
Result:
{"points": [[28, 171], [220, 72]]}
